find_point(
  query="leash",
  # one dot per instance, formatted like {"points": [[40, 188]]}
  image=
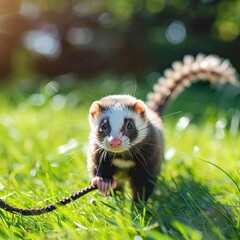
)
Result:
{"points": [[48, 208]]}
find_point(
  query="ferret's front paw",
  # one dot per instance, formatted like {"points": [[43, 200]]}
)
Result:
{"points": [[104, 185]]}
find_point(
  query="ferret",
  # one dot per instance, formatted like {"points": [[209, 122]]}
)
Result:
{"points": [[126, 134]]}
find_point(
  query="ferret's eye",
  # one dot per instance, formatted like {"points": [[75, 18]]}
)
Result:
{"points": [[103, 126], [130, 125]]}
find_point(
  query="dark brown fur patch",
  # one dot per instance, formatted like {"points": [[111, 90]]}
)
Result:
{"points": [[131, 134]]}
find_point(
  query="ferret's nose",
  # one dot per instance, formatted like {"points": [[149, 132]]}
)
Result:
{"points": [[115, 142]]}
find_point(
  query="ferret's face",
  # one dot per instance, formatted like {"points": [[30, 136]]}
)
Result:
{"points": [[118, 123]]}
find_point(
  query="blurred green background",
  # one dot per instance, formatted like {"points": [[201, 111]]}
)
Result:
{"points": [[104, 47], [58, 56]]}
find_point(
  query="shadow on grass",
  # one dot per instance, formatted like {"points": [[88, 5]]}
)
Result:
{"points": [[185, 209]]}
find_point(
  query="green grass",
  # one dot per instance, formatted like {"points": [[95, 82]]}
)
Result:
{"points": [[43, 159]]}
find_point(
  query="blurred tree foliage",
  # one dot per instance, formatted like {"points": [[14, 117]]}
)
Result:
{"points": [[88, 37]]}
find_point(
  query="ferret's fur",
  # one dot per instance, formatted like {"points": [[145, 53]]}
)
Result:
{"points": [[126, 141]]}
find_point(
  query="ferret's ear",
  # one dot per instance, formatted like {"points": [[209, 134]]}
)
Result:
{"points": [[95, 109], [139, 107]]}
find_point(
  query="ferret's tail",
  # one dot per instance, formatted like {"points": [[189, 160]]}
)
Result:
{"points": [[183, 74]]}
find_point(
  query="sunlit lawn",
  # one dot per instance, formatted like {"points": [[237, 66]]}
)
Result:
{"points": [[43, 159]]}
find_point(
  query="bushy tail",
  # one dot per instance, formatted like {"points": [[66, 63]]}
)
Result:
{"points": [[184, 73]]}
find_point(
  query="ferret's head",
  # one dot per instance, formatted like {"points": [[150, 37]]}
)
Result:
{"points": [[118, 122]]}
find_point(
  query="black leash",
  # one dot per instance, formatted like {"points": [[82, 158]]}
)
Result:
{"points": [[48, 208]]}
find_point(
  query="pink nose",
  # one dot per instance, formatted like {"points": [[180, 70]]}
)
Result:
{"points": [[115, 142]]}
